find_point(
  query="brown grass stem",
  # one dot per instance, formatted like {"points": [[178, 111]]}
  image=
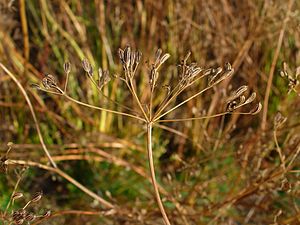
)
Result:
{"points": [[273, 65]]}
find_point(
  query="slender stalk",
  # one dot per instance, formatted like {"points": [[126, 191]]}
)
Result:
{"points": [[152, 171], [182, 103], [13, 77], [67, 81], [105, 96], [138, 100], [103, 109], [174, 93], [193, 118], [12, 194], [273, 65], [281, 156]]}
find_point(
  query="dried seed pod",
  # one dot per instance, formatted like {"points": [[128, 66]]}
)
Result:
{"points": [[104, 78], [238, 99], [228, 66], [231, 106], [157, 57], [279, 120], [49, 82], [19, 214], [251, 98], [47, 214], [195, 72], [293, 82], [121, 55], [17, 195], [19, 221], [30, 217], [87, 66], [238, 93], [214, 73], [37, 196], [127, 52], [160, 60], [36, 86], [132, 60], [163, 59], [67, 67], [138, 56], [242, 100], [257, 109]]}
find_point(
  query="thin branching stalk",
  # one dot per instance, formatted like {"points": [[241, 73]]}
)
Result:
{"points": [[273, 65], [138, 101], [182, 103], [13, 77], [103, 109], [281, 156], [192, 118], [202, 117], [12, 194], [174, 93], [152, 171], [105, 96]]}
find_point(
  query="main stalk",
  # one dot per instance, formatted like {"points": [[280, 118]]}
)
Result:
{"points": [[152, 171]]}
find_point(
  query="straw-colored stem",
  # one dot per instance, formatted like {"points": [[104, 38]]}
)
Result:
{"points": [[152, 171], [182, 103], [138, 100], [103, 109], [281, 156]]}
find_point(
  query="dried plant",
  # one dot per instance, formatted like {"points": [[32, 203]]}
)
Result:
{"points": [[24, 214], [293, 80], [188, 74]]}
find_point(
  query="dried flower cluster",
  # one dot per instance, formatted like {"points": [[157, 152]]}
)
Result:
{"points": [[130, 61], [23, 215], [279, 120], [154, 67], [293, 80], [238, 99], [49, 82]]}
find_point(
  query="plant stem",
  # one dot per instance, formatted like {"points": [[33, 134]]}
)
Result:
{"points": [[273, 65], [152, 171], [138, 100], [103, 109], [37, 126]]}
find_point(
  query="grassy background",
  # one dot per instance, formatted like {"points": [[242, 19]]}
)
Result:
{"points": [[211, 170]]}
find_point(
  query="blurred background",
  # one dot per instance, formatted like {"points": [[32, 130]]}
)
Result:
{"points": [[224, 170]]}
